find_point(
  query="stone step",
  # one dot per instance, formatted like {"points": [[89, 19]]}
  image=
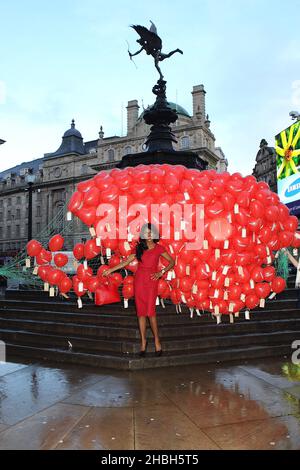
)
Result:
{"points": [[166, 360], [194, 328], [104, 319], [96, 346]]}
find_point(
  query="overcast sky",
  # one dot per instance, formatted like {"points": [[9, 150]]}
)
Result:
{"points": [[64, 59]]}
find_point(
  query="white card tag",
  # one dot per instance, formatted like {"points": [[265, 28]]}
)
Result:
{"points": [[187, 270], [226, 244], [79, 302], [225, 270], [35, 271], [244, 233], [186, 196], [247, 315], [108, 252], [85, 265], [51, 292], [126, 246], [46, 286], [98, 241], [236, 209], [80, 287], [27, 262], [125, 303], [157, 301], [262, 303], [205, 244], [162, 303], [194, 289], [92, 231], [231, 318], [69, 215]]}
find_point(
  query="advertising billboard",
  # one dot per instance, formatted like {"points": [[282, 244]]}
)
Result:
{"points": [[287, 145]]}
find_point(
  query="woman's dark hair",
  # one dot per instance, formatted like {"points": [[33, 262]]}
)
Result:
{"points": [[142, 244]]}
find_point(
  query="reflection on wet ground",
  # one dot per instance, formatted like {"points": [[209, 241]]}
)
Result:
{"points": [[241, 405]]}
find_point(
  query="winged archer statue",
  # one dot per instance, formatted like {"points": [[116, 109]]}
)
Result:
{"points": [[152, 44]]}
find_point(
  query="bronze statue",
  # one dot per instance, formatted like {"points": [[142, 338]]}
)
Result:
{"points": [[152, 44]]}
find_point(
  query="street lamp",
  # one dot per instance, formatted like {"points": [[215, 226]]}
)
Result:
{"points": [[30, 179]]}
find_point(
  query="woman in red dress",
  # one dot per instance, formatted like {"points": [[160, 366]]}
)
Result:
{"points": [[146, 279]]}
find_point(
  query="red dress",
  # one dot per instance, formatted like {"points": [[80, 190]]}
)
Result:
{"points": [[145, 288]]}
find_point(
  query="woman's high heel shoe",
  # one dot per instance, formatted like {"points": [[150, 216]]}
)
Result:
{"points": [[158, 353], [142, 352]]}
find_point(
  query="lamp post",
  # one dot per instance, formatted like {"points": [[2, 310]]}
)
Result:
{"points": [[30, 179]]}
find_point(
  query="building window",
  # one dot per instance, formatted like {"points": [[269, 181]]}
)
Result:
{"points": [[38, 211], [8, 232], [9, 201], [38, 227], [8, 215], [1, 202], [18, 230], [1, 232], [185, 142], [111, 155], [1, 216], [127, 150], [84, 169], [18, 199], [18, 213]]}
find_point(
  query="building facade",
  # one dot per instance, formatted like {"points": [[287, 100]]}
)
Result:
{"points": [[57, 173], [265, 166]]}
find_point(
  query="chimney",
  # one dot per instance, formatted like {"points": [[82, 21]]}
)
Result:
{"points": [[199, 102], [132, 115]]}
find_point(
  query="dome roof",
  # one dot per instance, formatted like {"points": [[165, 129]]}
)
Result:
{"points": [[72, 131], [175, 107]]}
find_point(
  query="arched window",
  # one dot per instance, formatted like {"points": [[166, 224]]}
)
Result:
{"points": [[84, 169], [185, 142], [111, 155], [127, 150]]}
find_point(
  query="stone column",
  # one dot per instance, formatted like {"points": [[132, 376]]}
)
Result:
{"points": [[198, 94], [132, 115]]}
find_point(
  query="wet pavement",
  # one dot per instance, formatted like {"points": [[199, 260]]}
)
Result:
{"points": [[241, 405]]}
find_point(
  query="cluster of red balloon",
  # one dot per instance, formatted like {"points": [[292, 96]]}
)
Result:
{"points": [[49, 274], [244, 224]]}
